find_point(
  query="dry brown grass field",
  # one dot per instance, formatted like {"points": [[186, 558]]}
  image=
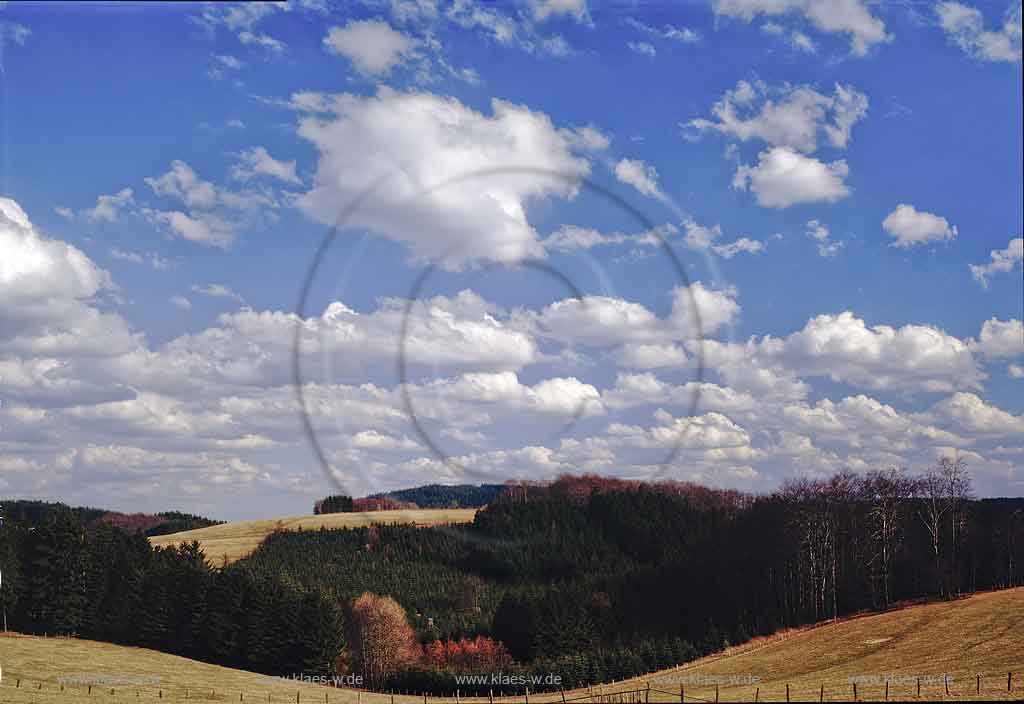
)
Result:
{"points": [[981, 634], [234, 541], [130, 675]]}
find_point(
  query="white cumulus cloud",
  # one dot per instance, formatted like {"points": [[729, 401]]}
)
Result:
{"points": [[1001, 339], [443, 194], [911, 227], [783, 177], [373, 47]]}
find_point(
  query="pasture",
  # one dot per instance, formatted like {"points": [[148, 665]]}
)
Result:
{"points": [[233, 541]]}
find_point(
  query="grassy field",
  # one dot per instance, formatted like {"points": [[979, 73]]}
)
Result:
{"points": [[234, 541], [980, 634], [124, 674]]}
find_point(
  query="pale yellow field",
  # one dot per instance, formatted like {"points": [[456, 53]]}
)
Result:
{"points": [[236, 540], [977, 635], [137, 674], [982, 634]]}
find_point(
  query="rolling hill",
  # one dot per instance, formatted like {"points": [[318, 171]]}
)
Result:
{"points": [[980, 634], [233, 541], [33, 670], [975, 635]]}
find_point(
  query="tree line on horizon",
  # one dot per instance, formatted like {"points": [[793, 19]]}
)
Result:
{"points": [[34, 512], [591, 578], [427, 496]]}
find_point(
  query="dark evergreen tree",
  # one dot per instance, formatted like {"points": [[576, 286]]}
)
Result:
{"points": [[56, 572], [515, 623], [321, 628]]}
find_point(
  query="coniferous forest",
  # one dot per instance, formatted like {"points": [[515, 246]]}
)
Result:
{"points": [[594, 579]]}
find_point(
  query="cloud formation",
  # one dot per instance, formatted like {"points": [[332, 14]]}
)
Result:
{"points": [[850, 17], [643, 177], [441, 194], [373, 46], [965, 27], [795, 117], [783, 177], [258, 162], [911, 227], [701, 238], [1001, 260]]}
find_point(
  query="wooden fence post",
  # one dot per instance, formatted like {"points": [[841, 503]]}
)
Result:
{"points": [[527, 695], [918, 687], [945, 678], [490, 696], [886, 689], [563, 694], [757, 693], [979, 683], [1009, 679], [647, 697], [716, 692], [821, 695], [854, 691], [682, 694], [787, 691]]}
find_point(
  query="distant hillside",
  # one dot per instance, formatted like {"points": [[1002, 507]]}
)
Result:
{"points": [[34, 513], [446, 496], [228, 542], [163, 523]]}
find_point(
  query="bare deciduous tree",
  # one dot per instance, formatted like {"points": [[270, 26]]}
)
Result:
{"points": [[957, 483], [944, 491], [887, 491], [381, 639]]}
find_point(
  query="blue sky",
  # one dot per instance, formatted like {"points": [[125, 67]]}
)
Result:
{"points": [[840, 182]]}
